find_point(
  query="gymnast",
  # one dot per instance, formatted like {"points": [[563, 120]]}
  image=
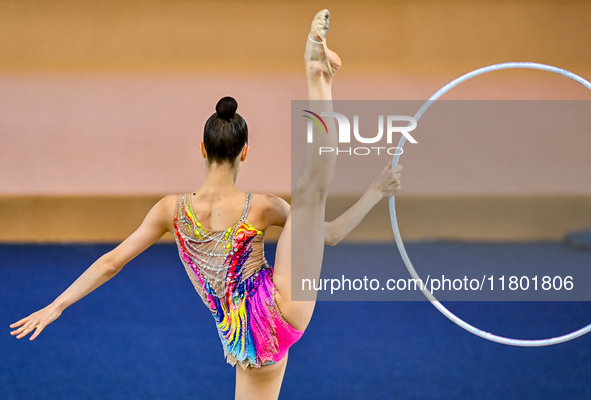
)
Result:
{"points": [[219, 233]]}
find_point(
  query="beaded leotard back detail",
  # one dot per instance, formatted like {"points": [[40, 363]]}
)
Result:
{"points": [[230, 273]]}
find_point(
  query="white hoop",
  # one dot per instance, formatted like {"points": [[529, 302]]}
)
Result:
{"points": [[393, 219]]}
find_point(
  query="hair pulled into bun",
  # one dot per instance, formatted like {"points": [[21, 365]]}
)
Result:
{"points": [[225, 133], [226, 107]]}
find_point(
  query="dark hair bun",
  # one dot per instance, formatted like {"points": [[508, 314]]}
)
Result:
{"points": [[226, 107]]}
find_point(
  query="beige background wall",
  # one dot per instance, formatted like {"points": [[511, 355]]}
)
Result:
{"points": [[105, 98]]}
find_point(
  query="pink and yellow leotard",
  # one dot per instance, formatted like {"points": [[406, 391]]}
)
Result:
{"points": [[230, 273]]}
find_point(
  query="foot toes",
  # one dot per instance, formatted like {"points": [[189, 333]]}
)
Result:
{"points": [[320, 59], [320, 24]]}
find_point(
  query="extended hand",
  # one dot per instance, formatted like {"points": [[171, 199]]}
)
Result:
{"points": [[39, 320], [388, 182]]}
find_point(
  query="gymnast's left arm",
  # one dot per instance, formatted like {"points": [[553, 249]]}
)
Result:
{"points": [[385, 186], [158, 221]]}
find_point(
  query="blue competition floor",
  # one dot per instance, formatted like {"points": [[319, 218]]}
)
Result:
{"points": [[146, 335]]}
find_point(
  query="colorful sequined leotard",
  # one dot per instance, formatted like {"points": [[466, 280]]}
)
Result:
{"points": [[230, 273]]}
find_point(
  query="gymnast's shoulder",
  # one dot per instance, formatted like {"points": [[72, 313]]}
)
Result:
{"points": [[274, 208]]}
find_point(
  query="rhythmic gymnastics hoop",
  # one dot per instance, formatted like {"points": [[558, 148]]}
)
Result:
{"points": [[400, 244]]}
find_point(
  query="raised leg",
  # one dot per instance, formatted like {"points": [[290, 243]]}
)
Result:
{"points": [[308, 203], [309, 197]]}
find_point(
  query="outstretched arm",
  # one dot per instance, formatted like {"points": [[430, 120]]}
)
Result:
{"points": [[385, 186], [157, 222]]}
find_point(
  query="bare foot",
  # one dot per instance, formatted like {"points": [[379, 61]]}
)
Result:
{"points": [[320, 60]]}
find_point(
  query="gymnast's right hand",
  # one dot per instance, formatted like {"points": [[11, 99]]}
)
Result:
{"points": [[387, 184], [38, 320]]}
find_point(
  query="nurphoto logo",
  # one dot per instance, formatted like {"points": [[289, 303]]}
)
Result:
{"points": [[344, 132]]}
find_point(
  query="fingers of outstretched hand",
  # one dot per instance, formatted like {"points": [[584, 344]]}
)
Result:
{"points": [[19, 323], [38, 320], [37, 325], [24, 330], [28, 325]]}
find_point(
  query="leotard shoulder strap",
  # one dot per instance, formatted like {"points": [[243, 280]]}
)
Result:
{"points": [[246, 207]]}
